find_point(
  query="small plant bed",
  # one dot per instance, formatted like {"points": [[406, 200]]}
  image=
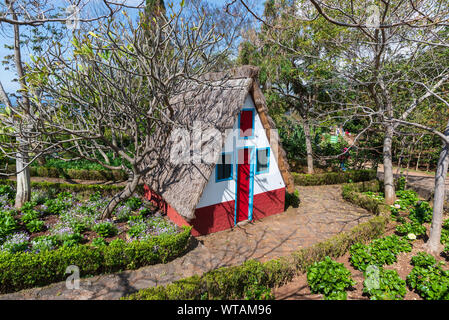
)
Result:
{"points": [[50, 221], [392, 267], [64, 224]]}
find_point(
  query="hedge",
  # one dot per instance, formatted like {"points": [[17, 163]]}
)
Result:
{"points": [[232, 282], [104, 189], [81, 174], [333, 177], [26, 270]]}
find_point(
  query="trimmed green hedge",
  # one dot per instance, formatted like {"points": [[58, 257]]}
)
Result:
{"points": [[26, 270], [82, 189], [81, 174], [333, 177], [233, 282]]}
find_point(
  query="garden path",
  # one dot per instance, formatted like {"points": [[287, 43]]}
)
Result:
{"points": [[321, 214]]}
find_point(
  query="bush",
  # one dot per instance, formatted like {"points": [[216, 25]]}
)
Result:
{"points": [[333, 177], [35, 226], [381, 284], [26, 270], [7, 224], [421, 213], [292, 199], [329, 278]]}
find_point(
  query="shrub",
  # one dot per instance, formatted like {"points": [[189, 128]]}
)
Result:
{"points": [[292, 199], [7, 224], [381, 284], [333, 177], [29, 216], [8, 191], [329, 278]]}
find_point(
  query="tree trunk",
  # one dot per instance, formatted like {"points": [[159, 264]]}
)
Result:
{"points": [[23, 173], [390, 195], [23, 193], [433, 244], [417, 161], [306, 127], [122, 196]]}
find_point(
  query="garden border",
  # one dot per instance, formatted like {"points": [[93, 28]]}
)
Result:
{"points": [[333, 177], [28, 270]]}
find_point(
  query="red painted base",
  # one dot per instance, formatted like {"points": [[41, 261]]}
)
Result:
{"points": [[221, 216]]}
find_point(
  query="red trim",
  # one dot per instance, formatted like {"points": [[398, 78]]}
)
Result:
{"points": [[220, 216]]}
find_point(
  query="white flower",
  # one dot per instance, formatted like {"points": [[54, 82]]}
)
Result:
{"points": [[411, 236], [397, 206]]}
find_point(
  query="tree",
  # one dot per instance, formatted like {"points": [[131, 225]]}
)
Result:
{"points": [[20, 14], [297, 59], [113, 95]]}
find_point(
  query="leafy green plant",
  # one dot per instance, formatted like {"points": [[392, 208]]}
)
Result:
{"points": [[329, 278], [292, 199], [401, 184], [8, 191], [379, 252], [423, 259], [381, 284], [134, 203], [99, 241], [411, 227], [43, 243], [431, 282], [7, 224], [35, 225], [29, 216], [421, 213], [105, 229]]}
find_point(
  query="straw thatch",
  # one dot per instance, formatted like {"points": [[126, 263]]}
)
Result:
{"points": [[214, 102]]}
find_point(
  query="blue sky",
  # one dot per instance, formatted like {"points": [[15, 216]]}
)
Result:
{"points": [[6, 76]]}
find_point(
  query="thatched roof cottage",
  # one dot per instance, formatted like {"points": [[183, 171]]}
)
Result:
{"points": [[248, 175]]}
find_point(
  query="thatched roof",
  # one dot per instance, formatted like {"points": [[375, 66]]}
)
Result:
{"points": [[214, 103]]}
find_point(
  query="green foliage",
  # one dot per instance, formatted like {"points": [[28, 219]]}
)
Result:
{"points": [[25, 270], [421, 213], [411, 227], [134, 203], [7, 224], [333, 177], [8, 191], [401, 184], [292, 199], [43, 243], [407, 198], [105, 229], [35, 225], [423, 259], [381, 284], [99, 241], [329, 277], [379, 252], [431, 282]]}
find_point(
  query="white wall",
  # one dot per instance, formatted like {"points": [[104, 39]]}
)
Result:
{"points": [[218, 192]]}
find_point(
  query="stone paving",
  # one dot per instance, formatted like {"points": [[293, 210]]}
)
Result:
{"points": [[321, 214]]}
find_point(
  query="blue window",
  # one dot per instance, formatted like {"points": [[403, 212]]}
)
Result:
{"points": [[223, 169], [262, 160]]}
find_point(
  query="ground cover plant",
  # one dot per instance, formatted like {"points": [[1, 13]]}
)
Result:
{"points": [[65, 219]]}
